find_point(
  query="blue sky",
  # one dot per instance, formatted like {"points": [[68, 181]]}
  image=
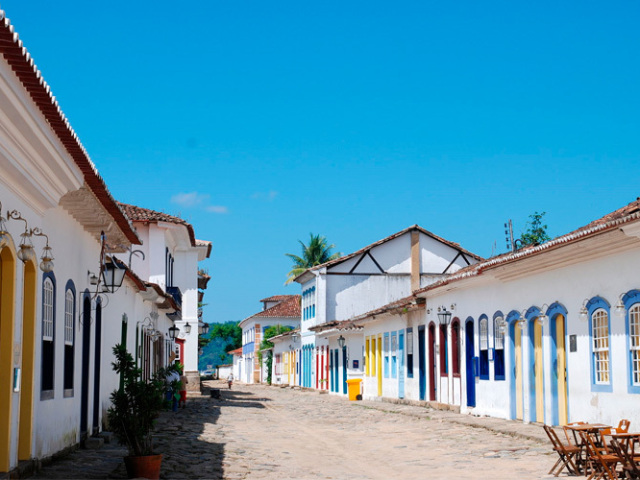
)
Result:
{"points": [[260, 122]]}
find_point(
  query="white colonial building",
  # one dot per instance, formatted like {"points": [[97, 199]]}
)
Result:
{"points": [[277, 310], [60, 234]]}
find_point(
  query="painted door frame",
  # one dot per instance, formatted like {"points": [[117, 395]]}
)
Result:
{"points": [[422, 375], [516, 371], [432, 362], [25, 432], [96, 368], [559, 385], [344, 369], [86, 359], [401, 364], [470, 362]]}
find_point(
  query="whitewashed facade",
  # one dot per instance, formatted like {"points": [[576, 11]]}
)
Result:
{"points": [[344, 289], [57, 327]]}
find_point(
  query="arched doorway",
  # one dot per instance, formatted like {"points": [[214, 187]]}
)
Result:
{"points": [[7, 315], [559, 391], [96, 367], [28, 360], [86, 350], [516, 372], [536, 369]]}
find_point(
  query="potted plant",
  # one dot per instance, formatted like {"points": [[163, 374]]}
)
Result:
{"points": [[132, 415]]}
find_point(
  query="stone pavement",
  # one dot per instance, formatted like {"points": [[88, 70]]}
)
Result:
{"points": [[260, 432]]}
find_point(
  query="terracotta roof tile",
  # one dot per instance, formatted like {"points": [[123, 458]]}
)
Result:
{"points": [[610, 221], [276, 298], [288, 308], [145, 215], [21, 62]]}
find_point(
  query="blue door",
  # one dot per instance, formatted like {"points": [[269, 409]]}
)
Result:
{"points": [[469, 357], [344, 370], [401, 364], [422, 363], [335, 370]]}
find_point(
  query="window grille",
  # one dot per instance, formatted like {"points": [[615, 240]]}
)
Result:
{"points": [[68, 317], [47, 311], [634, 343]]}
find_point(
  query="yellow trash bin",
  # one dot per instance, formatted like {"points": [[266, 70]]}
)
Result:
{"points": [[354, 388]]}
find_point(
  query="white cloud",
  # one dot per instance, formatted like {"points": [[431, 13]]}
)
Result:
{"points": [[267, 196], [217, 209], [189, 199]]}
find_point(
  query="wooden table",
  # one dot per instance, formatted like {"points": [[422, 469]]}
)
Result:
{"points": [[579, 442]]}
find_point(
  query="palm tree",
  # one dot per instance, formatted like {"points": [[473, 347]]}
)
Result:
{"points": [[316, 253]]}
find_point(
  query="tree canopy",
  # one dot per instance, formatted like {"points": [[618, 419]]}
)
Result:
{"points": [[536, 232], [315, 253]]}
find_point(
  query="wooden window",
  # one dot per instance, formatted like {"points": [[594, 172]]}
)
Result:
{"points": [[600, 339], [394, 354], [634, 343], [484, 348], [366, 357], [386, 355], [410, 352], [69, 339], [455, 348], [498, 344], [48, 332], [444, 360]]}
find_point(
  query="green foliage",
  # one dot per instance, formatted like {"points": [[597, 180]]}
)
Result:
{"points": [[315, 253], [269, 333], [222, 338], [536, 232], [136, 406]]}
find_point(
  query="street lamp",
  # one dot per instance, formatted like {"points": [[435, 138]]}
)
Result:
{"points": [[341, 341], [187, 328], [113, 275], [444, 316], [173, 332]]}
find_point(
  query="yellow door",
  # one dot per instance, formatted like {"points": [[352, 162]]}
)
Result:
{"points": [[538, 372], [367, 357], [7, 316], [373, 357], [518, 370], [562, 371], [379, 366], [28, 360]]}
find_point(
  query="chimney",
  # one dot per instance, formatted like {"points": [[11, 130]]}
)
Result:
{"points": [[415, 260]]}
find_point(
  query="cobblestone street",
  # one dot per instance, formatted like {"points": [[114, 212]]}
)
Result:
{"points": [[250, 433]]}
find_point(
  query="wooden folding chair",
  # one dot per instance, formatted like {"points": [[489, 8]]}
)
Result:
{"points": [[629, 465], [602, 461], [566, 453], [623, 426]]}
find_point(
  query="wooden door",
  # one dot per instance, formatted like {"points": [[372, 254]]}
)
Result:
{"points": [[538, 372], [519, 385], [561, 371], [432, 362], [470, 362], [401, 364]]}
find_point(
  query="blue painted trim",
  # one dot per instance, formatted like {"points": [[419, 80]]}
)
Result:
{"points": [[401, 364], [469, 351], [496, 357], [410, 372], [631, 298], [531, 315], [385, 353], [594, 304], [484, 354], [511, 319], [393, 355], [554, 310]]}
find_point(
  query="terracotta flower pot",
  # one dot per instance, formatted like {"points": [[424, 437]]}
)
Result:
{"points": [[146, 466]]}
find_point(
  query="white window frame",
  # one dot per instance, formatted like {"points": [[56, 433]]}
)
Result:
{"points": [[69, 302], [47, 310], [483, 328], [634, 343], [600, 344]]}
